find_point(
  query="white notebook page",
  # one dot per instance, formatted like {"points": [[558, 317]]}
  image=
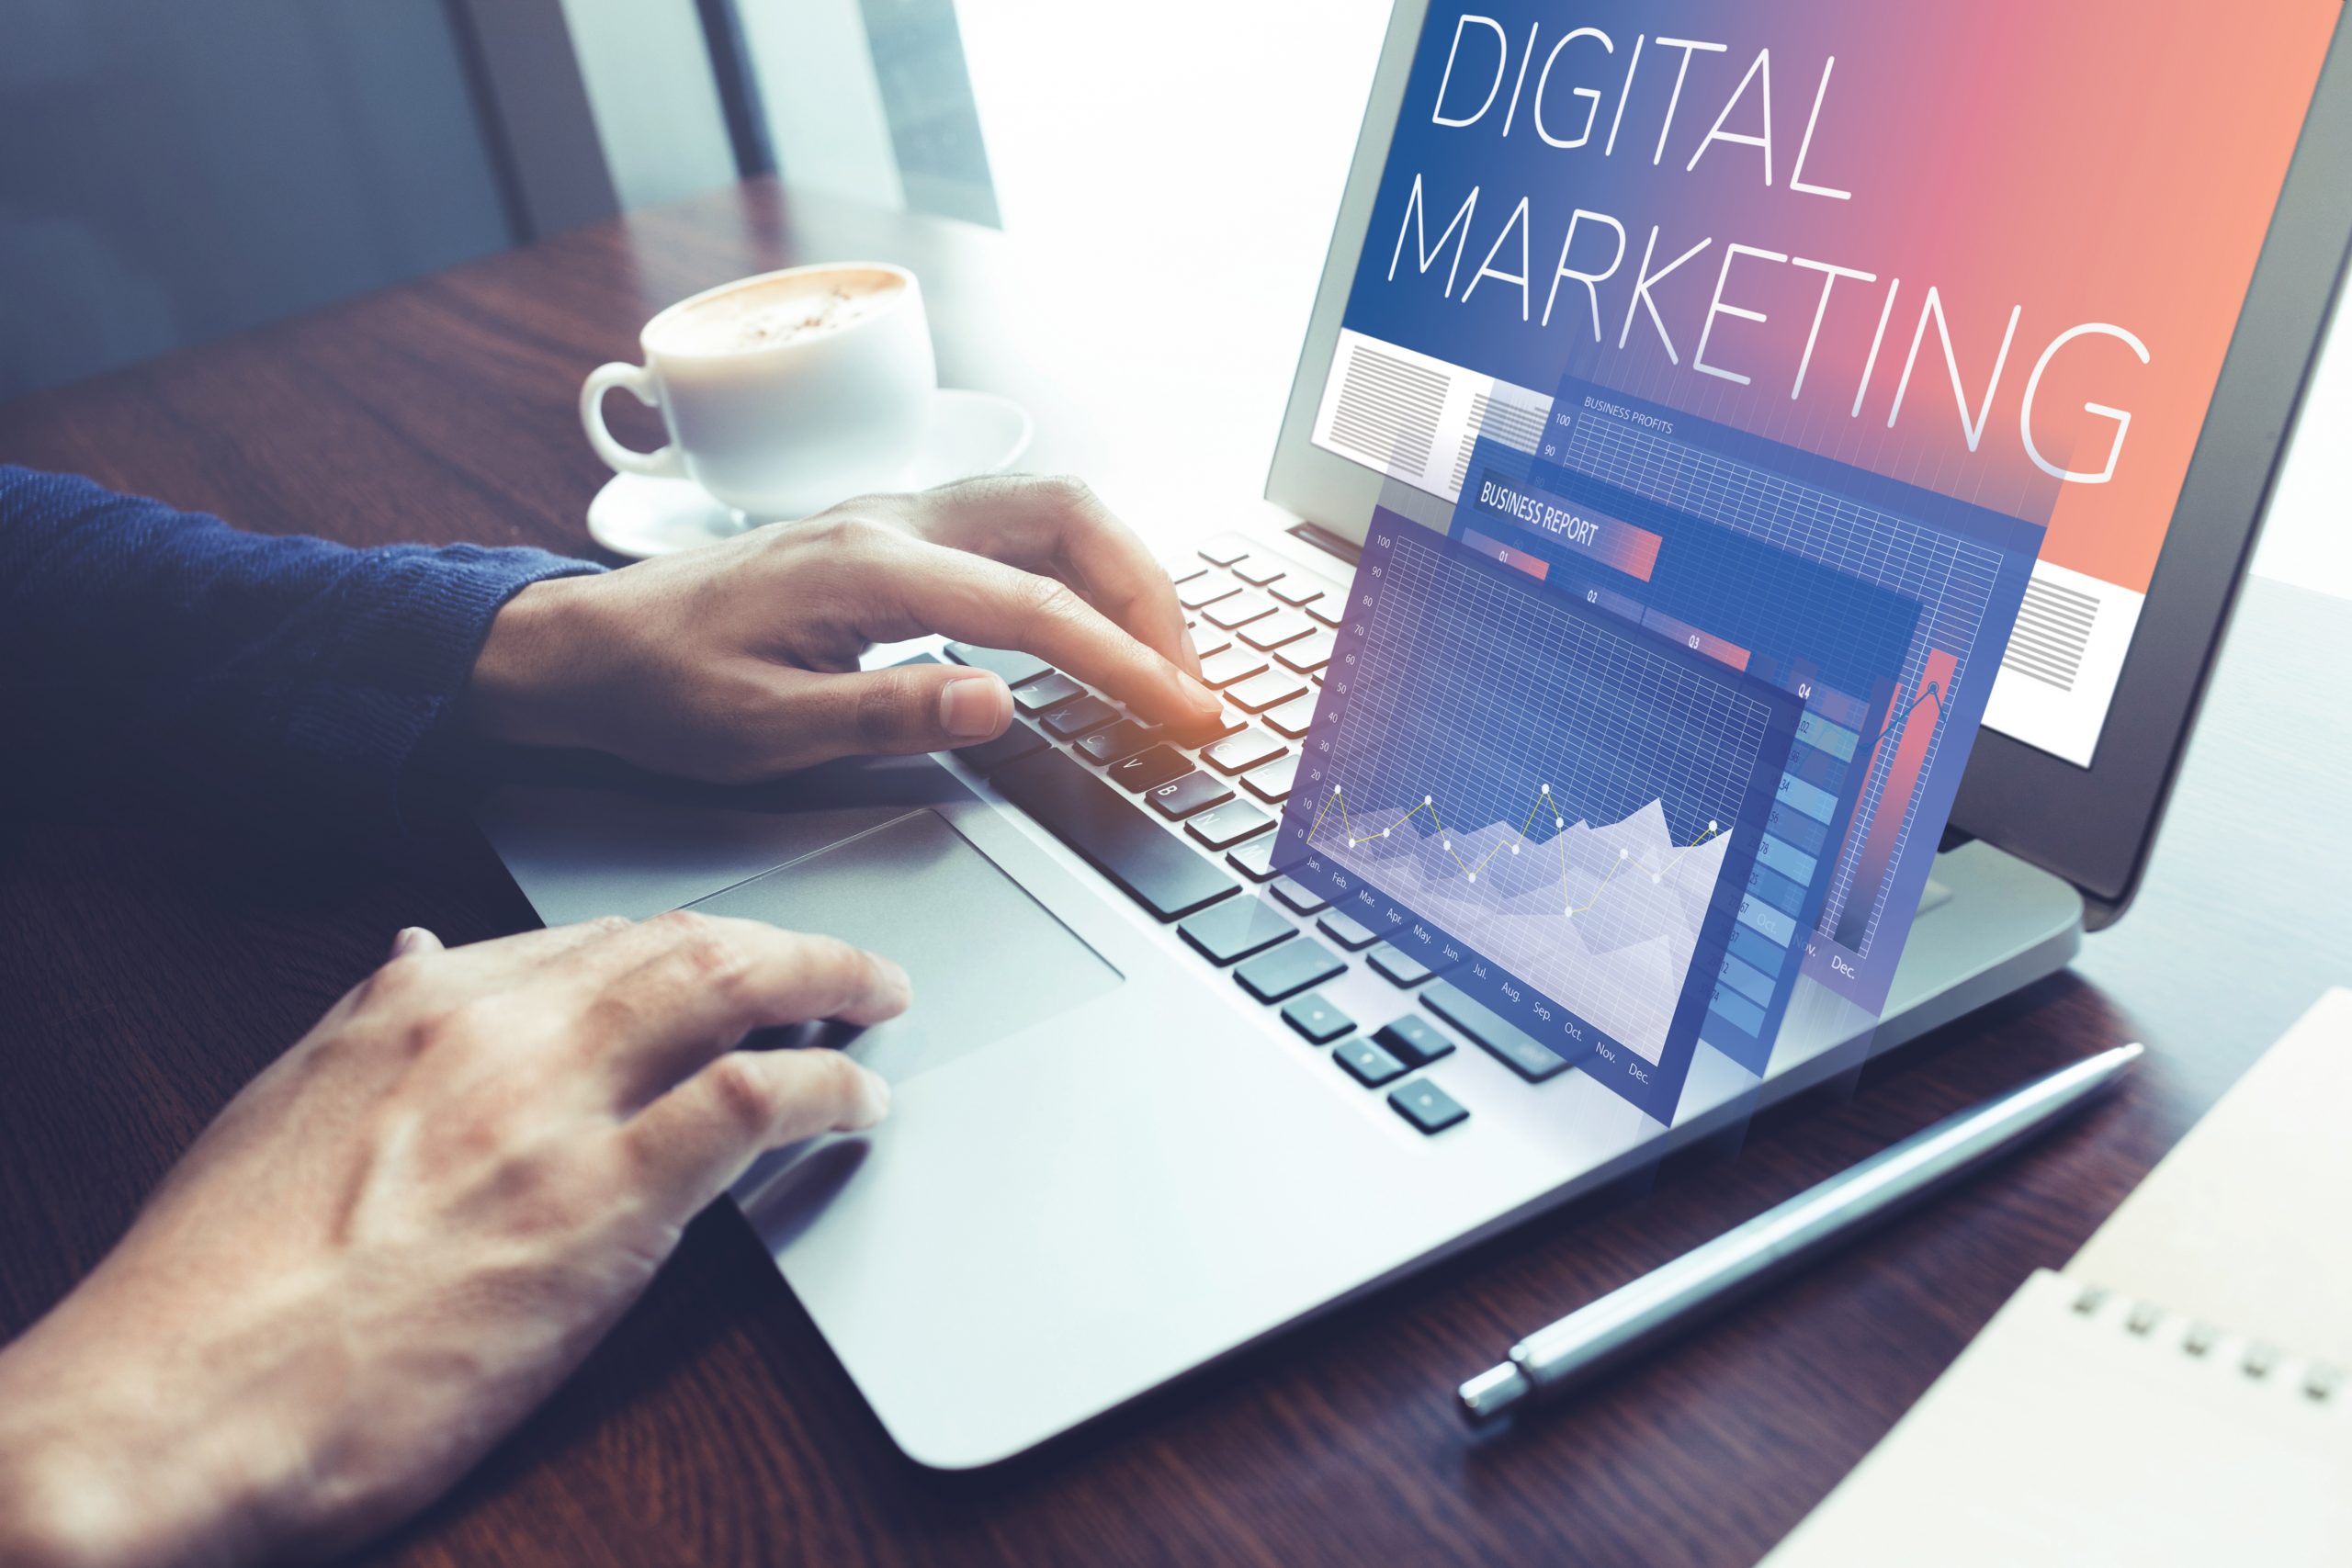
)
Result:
{"points": [[2247, 1223], [2064, 1438], [2154, 1404]]}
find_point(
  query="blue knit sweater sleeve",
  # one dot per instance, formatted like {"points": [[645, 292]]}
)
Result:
{"points": [[299, 684]]}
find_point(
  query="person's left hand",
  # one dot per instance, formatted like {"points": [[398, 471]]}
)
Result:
{"points": [[739, 661], [402, 1234]]}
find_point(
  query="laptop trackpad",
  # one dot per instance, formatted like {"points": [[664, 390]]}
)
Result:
{"points": [[987, 960]]}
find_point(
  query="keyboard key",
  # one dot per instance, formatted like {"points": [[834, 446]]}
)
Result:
{"points": [[1166, 876], [1227, 548], [1201, 732], [1293, 967], [1400, 967], [1294, 717], [1239, 753], [1315, 1019], [1184, 570], [1367, 1064], [1208, 641], [1236, 929], [1240, 610], [1180, 798], [1347, 930], [1078, 717], [1426, 1106], [1331, 609], [1298, 896], [1147, 770], [1309, 654], [1047, 691], [1008, 665], [1412, 1039], [1229, 825], [1123, 738], [1233, 664], [1517, 1049], [1259, 570], [1304, 586], [1271, 783], [1266, 689], [1207, 590], [987, 756], [1281, 626], [1254, 860]]}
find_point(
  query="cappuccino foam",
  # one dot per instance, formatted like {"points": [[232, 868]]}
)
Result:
{"points": [[780, 310]]}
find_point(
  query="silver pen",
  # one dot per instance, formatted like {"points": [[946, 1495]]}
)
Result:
{"points": [[1670, 1298]]}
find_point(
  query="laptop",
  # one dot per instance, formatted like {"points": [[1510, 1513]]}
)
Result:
{"points": [[1159, 1099]]}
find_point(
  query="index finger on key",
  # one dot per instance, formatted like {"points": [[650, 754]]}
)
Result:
{"points": [[977, 599], [1060, 526]]}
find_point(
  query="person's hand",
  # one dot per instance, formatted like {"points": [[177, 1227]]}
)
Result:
{"points": [[399, 1237], [739, 660]]}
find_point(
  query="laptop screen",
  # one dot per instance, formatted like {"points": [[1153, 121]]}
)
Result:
{"points": [[1994, 251]]}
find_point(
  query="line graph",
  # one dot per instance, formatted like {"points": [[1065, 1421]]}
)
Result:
{"points": [[1567, 801], [1542, 804], [1803, 624]]}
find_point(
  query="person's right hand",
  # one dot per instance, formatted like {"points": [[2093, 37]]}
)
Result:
{"points": [[739, 660], [398, 1238]]}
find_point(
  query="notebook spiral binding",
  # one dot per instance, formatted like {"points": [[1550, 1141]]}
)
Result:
{"points": [[2256, 1361]]}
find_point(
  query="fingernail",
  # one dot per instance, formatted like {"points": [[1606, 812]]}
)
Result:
{"points": [[1201, 698], [407, 941], [974, 708], [896, 977], [873, 1100]]}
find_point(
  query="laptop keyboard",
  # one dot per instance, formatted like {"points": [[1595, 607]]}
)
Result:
{"points": [[1184, 823]]}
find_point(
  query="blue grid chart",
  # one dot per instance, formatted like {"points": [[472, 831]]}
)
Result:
{"points": [[1557, 809], [1965, 565], [1834, 640]]}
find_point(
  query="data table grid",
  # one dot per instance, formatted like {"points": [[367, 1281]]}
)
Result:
{"points": [[1952, 578]]}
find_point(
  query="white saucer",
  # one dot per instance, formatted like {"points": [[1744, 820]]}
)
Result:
{"points": [[971, 433]]}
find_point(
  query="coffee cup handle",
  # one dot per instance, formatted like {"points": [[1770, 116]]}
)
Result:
{"points": [[663, 463]]}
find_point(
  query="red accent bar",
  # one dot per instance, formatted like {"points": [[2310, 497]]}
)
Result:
{"points": [[1690, 637], [1922, 714]]}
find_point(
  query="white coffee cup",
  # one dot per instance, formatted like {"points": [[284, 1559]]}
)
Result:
{"points": [[781, 394]]}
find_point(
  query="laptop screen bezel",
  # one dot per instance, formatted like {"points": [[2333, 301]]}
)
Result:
{"points": [[2094, 826]]}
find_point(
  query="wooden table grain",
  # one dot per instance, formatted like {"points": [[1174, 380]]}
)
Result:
{"points": [[141, 982]]}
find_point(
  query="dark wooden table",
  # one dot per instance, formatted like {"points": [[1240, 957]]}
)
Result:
{"points": [[141, 986]]}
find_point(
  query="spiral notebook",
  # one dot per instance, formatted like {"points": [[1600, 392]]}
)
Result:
{"points": [[2181, 1393]]}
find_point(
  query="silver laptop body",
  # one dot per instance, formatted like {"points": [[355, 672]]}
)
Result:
{"points": [[1107, 1165]]}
